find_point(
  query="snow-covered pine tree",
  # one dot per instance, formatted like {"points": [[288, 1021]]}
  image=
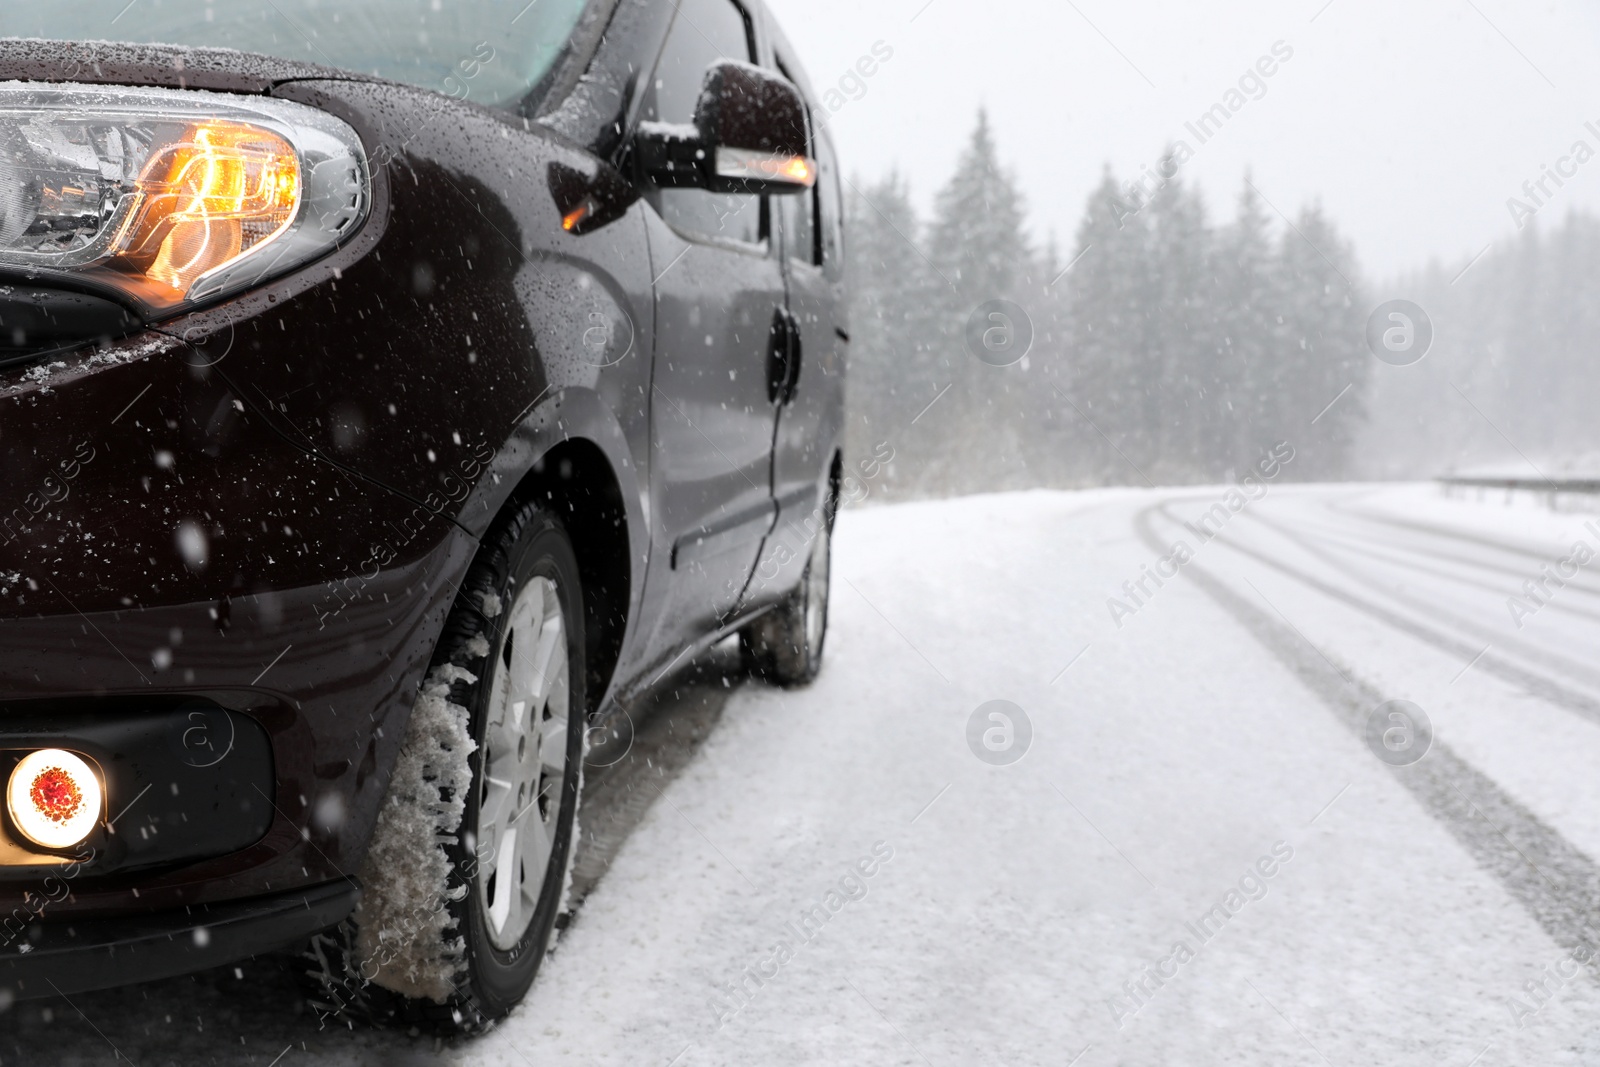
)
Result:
{"points": [[1109, 299], [978, 245], [1246, 301], [1052, 446], [1324, 353], [892, 375], [1182, 338]]}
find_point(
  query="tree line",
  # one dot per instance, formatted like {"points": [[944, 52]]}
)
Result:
{"points": [[1162, 347], [1509, 384]]}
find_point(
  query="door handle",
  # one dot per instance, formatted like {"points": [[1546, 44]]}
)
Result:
{"points": [[783, 357], [793, 379]]}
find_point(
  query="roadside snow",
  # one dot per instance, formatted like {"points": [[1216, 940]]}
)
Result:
{"points": [[1034, 913]]}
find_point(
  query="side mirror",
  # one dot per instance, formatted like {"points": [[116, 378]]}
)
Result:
{"points": [[749, 136]]}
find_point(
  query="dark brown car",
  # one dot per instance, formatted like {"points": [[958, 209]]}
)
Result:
{"points": [[387, 396]]}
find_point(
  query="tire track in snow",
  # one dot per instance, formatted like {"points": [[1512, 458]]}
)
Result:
{"points": [[1407, 558], [1528, 552], [668, 723], [1495, 637], [1534, 683], [1506, 560], [1552, 879]]}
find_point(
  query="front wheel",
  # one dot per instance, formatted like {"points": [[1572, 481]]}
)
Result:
{"points": [[785, 645], [471, 856]]}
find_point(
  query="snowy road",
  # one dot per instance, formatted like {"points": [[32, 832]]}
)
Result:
{"points": [[1207, 853]]}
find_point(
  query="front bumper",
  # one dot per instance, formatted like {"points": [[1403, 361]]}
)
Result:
{"points": [[42, 958], [162, 541]]}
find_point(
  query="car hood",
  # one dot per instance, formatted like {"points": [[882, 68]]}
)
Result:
{"points": [[171, 66]]}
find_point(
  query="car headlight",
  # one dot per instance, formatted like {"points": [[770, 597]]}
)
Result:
{"points": [[169, 198]]}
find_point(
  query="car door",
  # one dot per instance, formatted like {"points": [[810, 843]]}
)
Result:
{"points": [[718, 287], [810, 415]]}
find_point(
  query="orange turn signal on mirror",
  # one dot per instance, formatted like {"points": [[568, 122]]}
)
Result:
{"points": [[208, 198], [747, 165], [578, 215], [799, 170], [54, 798]]}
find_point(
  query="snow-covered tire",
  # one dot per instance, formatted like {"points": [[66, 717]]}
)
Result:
{"points": [[470, 862], [784, 646]]}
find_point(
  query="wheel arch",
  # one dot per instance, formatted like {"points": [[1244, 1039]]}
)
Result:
{"points": [[572, 456], [574, 481]]}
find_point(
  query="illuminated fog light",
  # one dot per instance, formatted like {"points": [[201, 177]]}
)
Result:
{"points": [[54, 798]]}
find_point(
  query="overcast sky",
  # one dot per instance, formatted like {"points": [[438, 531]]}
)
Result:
{"points": [[1412, 122]]}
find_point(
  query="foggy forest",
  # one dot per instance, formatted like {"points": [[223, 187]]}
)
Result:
{"points": [[1166, 346]]}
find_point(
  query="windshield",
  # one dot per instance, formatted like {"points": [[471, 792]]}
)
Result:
{"points": [[490, 51]]}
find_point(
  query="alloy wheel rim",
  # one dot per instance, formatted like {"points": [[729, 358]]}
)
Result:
{"points": [[524, 762]]}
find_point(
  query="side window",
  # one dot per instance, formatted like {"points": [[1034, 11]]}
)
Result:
{"points": [[800, 209], [703, 32]]}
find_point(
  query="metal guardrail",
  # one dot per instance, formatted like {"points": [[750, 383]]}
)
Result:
{"points": [[1532, 485], [1572, 495]]}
